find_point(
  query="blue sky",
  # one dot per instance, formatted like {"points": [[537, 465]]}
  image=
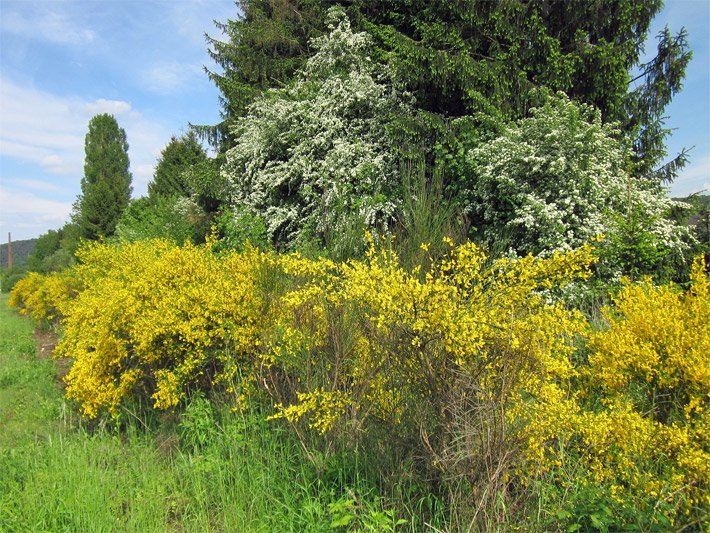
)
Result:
{"points": [[62, 62]]}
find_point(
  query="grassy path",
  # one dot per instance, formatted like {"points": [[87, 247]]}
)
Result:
{"points": [[30, 401]]}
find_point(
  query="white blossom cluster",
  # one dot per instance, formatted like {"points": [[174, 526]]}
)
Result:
{"points": [[310, 155], [555, 180]]}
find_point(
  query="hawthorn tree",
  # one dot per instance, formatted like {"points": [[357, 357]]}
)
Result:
{"points": [[310, 156], [557, 179]]}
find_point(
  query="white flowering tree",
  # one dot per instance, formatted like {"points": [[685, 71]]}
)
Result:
{"points": [[556, 179], [310, 156]]}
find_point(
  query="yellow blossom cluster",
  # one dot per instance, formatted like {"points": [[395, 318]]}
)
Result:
{"points": [[154, 318], [323, 407], [636, 412], [346, 347], [390, 341], [42, 297]]}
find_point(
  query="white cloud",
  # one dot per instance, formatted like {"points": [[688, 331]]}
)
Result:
{"points": [[45, 25], [113, 107], [57, 164], [27, 215], [170, 77], [36, 185], [48, 130]]}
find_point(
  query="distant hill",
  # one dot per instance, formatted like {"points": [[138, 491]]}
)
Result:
{"points": [[21, 250]]}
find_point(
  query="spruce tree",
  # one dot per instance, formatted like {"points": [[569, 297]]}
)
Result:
{"points": [[171, 176], [106, 185], [265, 46], [471, 57]]}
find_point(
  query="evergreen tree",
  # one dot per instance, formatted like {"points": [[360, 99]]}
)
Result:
{"points": [[176, 160], [465, 57], [106, 185], [265, 46], [54, 250], [470, 56]]}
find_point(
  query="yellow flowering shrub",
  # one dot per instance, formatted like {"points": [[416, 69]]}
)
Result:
{"points": [[636, 412], [43, 296], [324, 408], [651, 367], [392, 345], [154, 319], [474, 362]]}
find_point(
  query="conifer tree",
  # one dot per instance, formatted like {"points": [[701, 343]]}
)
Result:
{"points": [[171, 174], [264, 46], [467, 57], [106, 185]]}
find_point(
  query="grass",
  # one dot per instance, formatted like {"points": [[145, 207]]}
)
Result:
{"points": [[205, 470]]}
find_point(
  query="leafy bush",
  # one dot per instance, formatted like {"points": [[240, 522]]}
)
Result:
{"points": [[238, 228], [169, 217], [10, 276], [55, 250]]}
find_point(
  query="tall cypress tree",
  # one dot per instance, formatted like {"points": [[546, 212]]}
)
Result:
{"points": [[106, 185]]}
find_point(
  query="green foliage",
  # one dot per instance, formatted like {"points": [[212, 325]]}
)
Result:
{"points": [[197, 423], [208, 188], [171, 217], [633, 248], [643, 115], [426, 218], [471, 67], [264, 47], [702, 226], [10, 276], [460, 58], [353, 513], [55, 249], [696, 215], [177, 159], [238, 227], [106, 185], [476, 56], [47, 244]]}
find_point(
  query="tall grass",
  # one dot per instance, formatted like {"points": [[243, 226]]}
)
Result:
{"points": [[426, 215], [207, 469]]}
